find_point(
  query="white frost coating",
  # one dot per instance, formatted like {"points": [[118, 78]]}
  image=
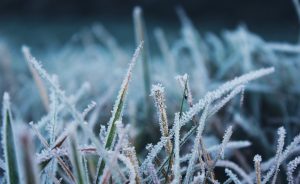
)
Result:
{"points": [[281, 133], [230, 145], [45, 155], [292, 165], [199, 178], [242, 96], [37, 66], [39, 135], [128, 164], [182, 79], [158, 92], [257, 160], [184, 83], [73, 99], [122, 132], [176, 166], [122, 141], [152, 154], [157, 87], [70, 105], [131, 154], [124, 86], [149, 146], [236, 168], [223, 89], [226, 138], [102, 133], [6, 102], [90, 107], [41, 87], [185, 157], [101, 101], [52, 125], [218, 93], [290, 148], [152, 172], [226, 99], [2, 164], [293, 147], [226, 87], [6, 109], [189, 172], [274, 169], [61, 94], [232, 176]]}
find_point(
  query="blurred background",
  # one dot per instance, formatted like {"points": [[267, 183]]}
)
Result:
{"points": [[19, 19]]}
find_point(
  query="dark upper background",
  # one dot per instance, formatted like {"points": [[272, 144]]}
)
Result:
{"points": [[272, 19], [228, 10]]}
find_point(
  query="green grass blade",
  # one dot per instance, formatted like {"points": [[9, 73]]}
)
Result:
{"points": [[76, 159], [11, 167], [118, 108]]}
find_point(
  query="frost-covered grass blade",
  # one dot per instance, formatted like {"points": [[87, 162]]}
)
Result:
{"points": [[77, 159], [118, 106], [9, 145]]}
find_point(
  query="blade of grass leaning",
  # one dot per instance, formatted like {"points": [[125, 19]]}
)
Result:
{"points": [[40, 85], [11, 167], [76, 160], [118, 107]]}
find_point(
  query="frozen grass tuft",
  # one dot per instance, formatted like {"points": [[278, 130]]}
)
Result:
{"points": [[73, 144]]}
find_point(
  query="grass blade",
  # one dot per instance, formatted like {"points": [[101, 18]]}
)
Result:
{"points": [[11, 166], [40, 85], [118, 107], [76, 159]]}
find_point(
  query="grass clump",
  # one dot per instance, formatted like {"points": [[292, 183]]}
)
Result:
{"points": [[195, 143]]}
